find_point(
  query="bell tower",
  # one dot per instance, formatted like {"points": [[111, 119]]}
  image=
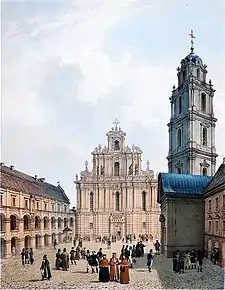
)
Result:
{"points": [[192, 123]]}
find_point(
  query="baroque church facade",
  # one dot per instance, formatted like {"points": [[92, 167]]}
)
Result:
{"points": [[116, 197]]}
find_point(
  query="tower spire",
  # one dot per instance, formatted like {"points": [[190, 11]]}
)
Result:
{"points": [[116, 122], [192, 37]]}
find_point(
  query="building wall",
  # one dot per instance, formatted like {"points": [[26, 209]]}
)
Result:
{"points": [[184, 224], [215, 224], [18, 208]]}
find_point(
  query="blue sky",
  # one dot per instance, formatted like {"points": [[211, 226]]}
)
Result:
{"points": [[71, 67]]}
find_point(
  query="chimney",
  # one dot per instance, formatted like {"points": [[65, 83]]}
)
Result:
{"points": [[11, 167], [42, 179], [2, 163], [35, 177]]}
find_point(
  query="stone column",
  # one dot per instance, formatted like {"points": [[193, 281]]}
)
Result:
{"points": [[32, 242], [7, 229], [8, 253], [42, 244]]}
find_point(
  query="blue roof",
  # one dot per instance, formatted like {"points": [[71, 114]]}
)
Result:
{"points": [[182, 184]]}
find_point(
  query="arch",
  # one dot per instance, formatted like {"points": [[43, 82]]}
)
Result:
{"points": [[116, 145], [65, 222], [198, 73], [117, 201], [116, 169], [179, 138], [14, 245], [180, 105], [203, 102], [60, 239], [53, 222], [13, 222], [2, 222], [46, 223], [143, 195], [26, 222], [204, 171], [204, 136], [179, 171], [37, 241], [46, 240], [53, 238], [3, 248], [37, 222], [27, 242], [59, 223], [91, 201], [71, 222]]}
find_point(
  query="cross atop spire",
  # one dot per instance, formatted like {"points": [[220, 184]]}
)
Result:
{"points": [[116, 122], [192, 37]]}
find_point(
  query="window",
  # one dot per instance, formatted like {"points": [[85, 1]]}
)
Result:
{"points": [[210, 226], [65, 208], [217, 204], [116, 169], [204, 136], [223, 226], [180, 104], [37, 205], [91, 201], [144, 200], [216, 226], [52, 207], [45, 206], [203, 102], [204, 171], [179, 138], [224, 201], [175, 222], [1, 198], [210, 205], [116, 145], [179, 171], [58, 207], [184, 75], [144, 225], [91, 226], [13, 201], [26, 203], [117, 201], [198, 73]]}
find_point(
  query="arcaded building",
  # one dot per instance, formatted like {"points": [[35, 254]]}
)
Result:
{"points": [[117, 197], [33, 212]]}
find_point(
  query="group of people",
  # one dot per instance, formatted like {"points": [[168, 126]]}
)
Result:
{"points": [[190, 260], [27, 256], [215, 256]]}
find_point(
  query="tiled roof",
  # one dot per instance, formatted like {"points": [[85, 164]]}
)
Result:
{"points": [[218, 180], [181, 184], [21, 182]]}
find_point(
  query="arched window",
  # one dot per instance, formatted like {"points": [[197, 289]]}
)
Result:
{"points": [[203, 102], [116, 169], [204, 136], [179, 171], [13, 223], [144, 200], [37, 222], [179, 138], [204, 171], [91, 201], [198, 73], [184, 75], [117, 201], [180, 104], [46, 223], [26, 222], [117, 145]]}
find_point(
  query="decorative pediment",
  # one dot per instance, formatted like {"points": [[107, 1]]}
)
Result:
{"points": [[204, 164], [179, 164], [205, 124]]}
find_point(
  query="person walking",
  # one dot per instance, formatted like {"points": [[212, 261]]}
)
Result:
{"points": [[23, 256], [65, 260], [45, 268], [31, 253], [72, 256], [150, 260], [58, 261], [199, 260]]}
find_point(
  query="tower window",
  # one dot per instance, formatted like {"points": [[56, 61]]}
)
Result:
{"points": [[203, 102], [204, 136], [184, 75], [144, 201], [117, 201], [179, 138], [179, 171], [198, 73], [180, 104], [116, 169], [91, 201], [116, 145], [204, 171]]}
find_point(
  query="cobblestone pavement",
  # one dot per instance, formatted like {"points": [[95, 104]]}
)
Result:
{"points": [[16, 276]]}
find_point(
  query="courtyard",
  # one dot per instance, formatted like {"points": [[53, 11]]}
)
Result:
{"points": [[16, 276]]}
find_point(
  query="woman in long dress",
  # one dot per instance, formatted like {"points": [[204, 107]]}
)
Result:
{"points": [[124, 272], [58, 261]]}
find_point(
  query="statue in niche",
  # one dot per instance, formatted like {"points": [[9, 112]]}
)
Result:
{"points": [[136, 169], [97, 170], [102, 170], [131, 169]]}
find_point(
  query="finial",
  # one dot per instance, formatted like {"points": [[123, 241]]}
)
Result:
{"points": [[58, 183], [116, 122], [76, 177], [178, 69], [86, 164], [192, 37], [223, 160], [148, 164]]}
